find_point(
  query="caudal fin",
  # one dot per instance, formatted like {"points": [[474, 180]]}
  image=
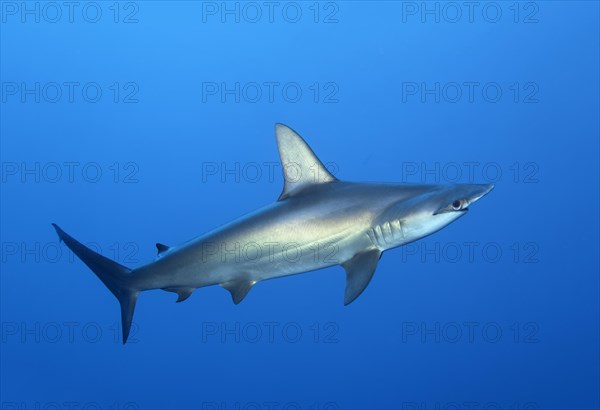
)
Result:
{"points": [[117, 278]]}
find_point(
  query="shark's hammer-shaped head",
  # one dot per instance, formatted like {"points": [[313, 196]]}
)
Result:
{"points": [[430, 209], [455, 199], [404, 213]]}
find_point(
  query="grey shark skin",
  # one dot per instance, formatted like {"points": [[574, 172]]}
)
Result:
{"points": [[317, 222]]}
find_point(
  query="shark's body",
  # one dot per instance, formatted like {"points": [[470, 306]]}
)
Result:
{"points": [[317, 222]]}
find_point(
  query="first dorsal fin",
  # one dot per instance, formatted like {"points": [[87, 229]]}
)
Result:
{"points": [[301, 167], [161, 248]]}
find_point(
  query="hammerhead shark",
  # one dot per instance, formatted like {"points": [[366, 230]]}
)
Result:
{"points": [[318, 221]]}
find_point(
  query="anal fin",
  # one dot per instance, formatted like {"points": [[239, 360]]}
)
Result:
{"points": [[238, 289], [182, 292], [359, 271]]}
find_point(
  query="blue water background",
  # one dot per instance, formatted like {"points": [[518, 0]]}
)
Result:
{"points": [[158, 132]]}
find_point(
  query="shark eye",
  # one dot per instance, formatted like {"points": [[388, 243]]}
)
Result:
{"points": [[456, 205]]}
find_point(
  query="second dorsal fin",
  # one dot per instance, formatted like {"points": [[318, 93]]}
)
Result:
{"points": [[301, 167], [161, 248]]}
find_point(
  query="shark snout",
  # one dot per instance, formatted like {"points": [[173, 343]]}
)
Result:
{"points": [[479, 191], [459, 197]]}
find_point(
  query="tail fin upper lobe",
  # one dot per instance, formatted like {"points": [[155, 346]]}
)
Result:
{"points": [[117, 278]]}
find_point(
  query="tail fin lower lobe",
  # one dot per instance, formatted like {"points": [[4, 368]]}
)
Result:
{"points": [[117, 278]]}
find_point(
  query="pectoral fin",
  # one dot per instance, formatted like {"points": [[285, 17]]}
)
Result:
{"points": [[238, 289], [359, 271]]}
